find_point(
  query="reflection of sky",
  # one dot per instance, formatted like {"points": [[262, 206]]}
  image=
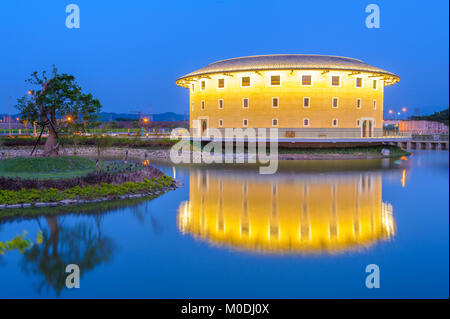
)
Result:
{"points": [[153, 259]]}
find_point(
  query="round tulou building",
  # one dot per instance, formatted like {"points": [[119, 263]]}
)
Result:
{"points": [[304, 96]]}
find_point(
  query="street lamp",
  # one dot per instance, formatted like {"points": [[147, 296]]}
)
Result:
{"points": [[69, 119], [30, 92]]}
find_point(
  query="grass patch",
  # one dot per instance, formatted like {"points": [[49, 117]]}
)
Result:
{"points": [[9, 197], [46, 167]]}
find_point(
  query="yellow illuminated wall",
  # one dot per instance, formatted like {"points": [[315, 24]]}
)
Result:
{"points": [[290, 113], [307, 215]]}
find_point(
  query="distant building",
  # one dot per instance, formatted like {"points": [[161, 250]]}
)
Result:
{"points": [[305, 96], [419, 127]]}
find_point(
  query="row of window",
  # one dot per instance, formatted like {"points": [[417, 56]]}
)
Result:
{"points": [[275, 80], [306, 103], [306, 122]]}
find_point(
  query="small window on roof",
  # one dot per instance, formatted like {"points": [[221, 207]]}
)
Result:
{"points": [[335, 80], [245, 81], [359, 82], [275, 80], [203, 85], [306, 80], [221, 83], [374, 84]]}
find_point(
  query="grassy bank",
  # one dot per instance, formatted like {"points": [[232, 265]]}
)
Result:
{"points": [[103, 190], [42, 168]]}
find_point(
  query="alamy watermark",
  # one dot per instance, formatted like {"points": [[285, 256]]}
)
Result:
{"points": [[373, 19], [231, 145], [373, 279], [73, 279], [73, 19]]}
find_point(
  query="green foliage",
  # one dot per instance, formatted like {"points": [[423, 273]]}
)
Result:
{"points": [[19, 243], [57, 97], [86, 193], [45, 167]]}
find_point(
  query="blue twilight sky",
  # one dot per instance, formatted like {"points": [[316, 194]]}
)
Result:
{"points": [[129, 53]]}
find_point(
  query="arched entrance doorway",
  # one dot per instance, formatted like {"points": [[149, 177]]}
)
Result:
{"points": [[367, 128]]}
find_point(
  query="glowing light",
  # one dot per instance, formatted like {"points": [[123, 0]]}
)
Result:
{"points": [[146, 163], [145, 120], [403, 177], [30, 92], [390, 112], [69, 119], [404, 109]]}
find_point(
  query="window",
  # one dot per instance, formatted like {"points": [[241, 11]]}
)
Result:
{"points": [[220, 123], [335, 80], [335, 103], [203, 85], [220, 83], [203, 105], [245, 102], [358, 103], [374, 104], [192, 87], [220, 103], [374, 84], [305, 122], [274, 122], [306, 80], [275, 102], [306, 102], [245, 81], [192, 105], [358, 82], [358, 123], [245, 122], [335, 122], [275, 80]]}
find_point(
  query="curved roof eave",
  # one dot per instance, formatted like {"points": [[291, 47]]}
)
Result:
{"points": [[287, 62]]}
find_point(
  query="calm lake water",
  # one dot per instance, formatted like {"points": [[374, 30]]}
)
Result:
{"points": [[308, 231]]}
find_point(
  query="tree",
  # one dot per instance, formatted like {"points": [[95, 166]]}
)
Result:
{"points": [[57, 97]]}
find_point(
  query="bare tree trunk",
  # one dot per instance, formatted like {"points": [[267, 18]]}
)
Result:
{"points": [[51, 144]]}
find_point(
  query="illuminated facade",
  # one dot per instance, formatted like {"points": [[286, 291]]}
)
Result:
{"points": [[305, 96], [333, 213]]}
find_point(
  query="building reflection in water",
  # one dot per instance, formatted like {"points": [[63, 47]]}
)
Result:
{"points": [[298, 214]]}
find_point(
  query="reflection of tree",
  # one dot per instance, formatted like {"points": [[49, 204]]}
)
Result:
{"points": [[62, 245]]}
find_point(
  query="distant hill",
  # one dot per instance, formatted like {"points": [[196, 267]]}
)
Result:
{"points": [[161, 117], [441, 117]]}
